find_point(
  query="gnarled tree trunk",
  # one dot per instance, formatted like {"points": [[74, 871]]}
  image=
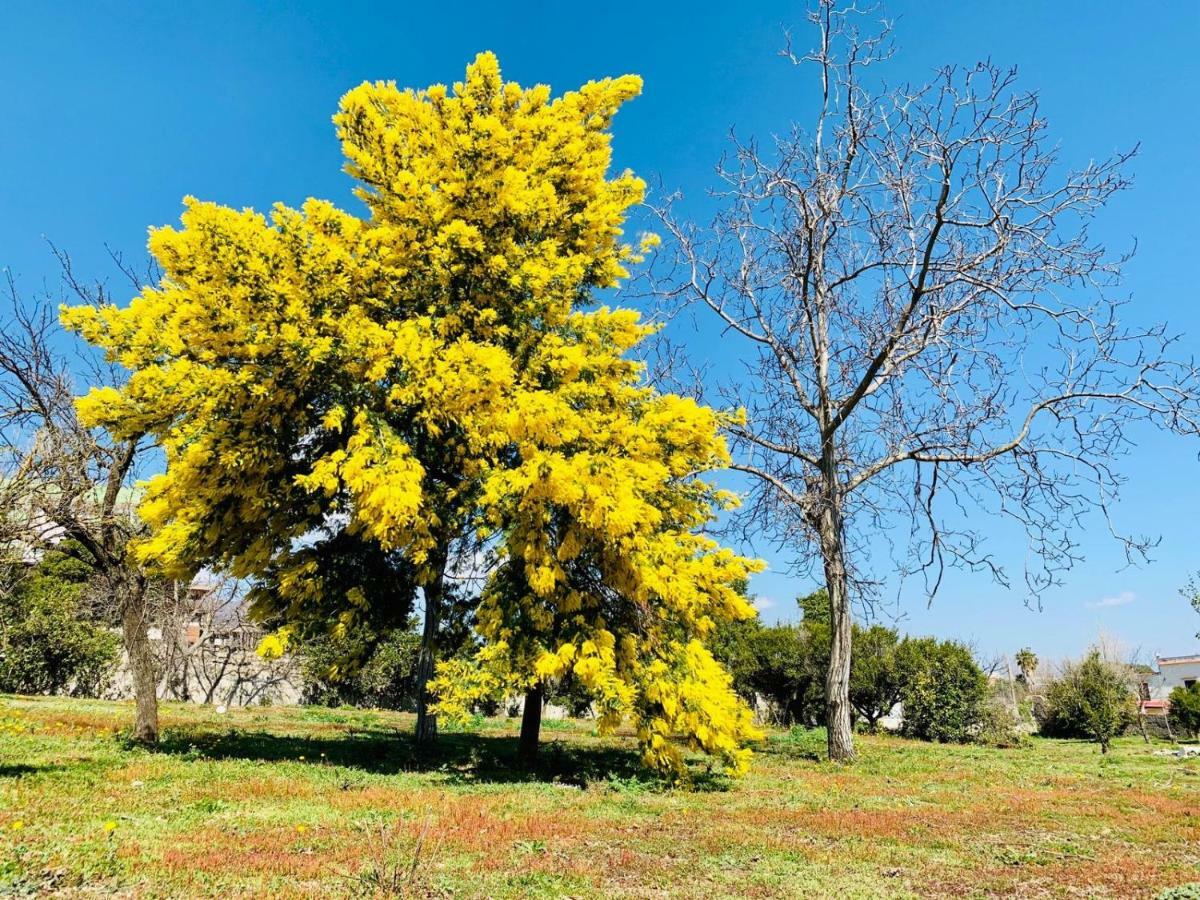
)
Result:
{"points": [[837, 677], [829, 526], [142, 667]]}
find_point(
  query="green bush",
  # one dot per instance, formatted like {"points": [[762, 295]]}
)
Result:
{"points": [[939, 684], [999, 726], [386, 677], [876, 678], [943, 690], [776, 662], [1185, 709], [48, 643], [1092, 699]]}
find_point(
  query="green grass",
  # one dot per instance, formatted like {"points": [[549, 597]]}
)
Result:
{"points": [[320, 802]]}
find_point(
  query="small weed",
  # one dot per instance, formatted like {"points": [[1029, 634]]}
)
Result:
{"points": [[392, 869]]}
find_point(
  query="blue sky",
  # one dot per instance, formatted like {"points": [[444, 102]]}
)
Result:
{"points": [[112, 112]]}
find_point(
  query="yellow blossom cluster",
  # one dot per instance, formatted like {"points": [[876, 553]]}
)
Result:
{"points": [[605, 574], [339, 398]]}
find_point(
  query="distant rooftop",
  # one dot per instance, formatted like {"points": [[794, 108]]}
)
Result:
{"points": [[1177, 660]]}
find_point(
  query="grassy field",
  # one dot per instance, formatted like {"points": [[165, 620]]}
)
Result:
{"points": [[320, 802]]}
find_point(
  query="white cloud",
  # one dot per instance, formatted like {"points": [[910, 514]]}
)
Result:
{"points": [[763, 603], [1122, 599]]}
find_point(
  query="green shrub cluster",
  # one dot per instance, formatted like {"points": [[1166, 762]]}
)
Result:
{"points": [[386, 677], [49, 643], [1185, 709], [1091, 699], [942, 689]]}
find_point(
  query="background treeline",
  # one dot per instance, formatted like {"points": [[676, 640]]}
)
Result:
{"points": [[58, 637], [937, 690], [922, 687], [940, 688]]}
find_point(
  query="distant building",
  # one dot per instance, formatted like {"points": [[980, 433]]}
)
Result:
{"points": [[1173, 672]]}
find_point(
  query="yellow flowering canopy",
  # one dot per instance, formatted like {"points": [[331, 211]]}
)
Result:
{"points": [[338, 398], [603, 573]]}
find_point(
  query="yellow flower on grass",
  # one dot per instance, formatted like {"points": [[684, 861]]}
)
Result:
{"points": [[17, 825], [301, 829], [110, 826]]}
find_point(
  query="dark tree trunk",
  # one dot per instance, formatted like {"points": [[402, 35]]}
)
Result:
{"points": [[531, 724], [427, 659], [141, 663]]}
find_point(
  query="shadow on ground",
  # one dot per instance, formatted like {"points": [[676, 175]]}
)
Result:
{"points": [[18, 770], [460, 757]]}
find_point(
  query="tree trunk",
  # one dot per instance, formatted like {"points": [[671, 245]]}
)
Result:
{"points": [[141, 663], [531, 724], [1141, 720], [427, 659], [1012, 688], [837, 678]]}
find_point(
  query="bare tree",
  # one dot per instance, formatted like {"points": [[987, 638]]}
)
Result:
{"points": [[930, 330], [65, 485], [207, 651]]}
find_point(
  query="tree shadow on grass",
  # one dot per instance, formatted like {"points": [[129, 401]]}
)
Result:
{"points": [[460, 758], [18, 770]]}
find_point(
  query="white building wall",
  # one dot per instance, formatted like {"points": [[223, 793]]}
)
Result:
{"points": [[1173, 672]]}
